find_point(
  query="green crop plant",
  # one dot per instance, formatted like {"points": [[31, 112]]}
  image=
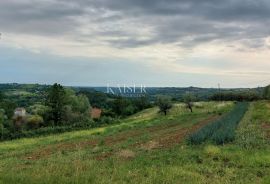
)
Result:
{"points": [[220, 131]]}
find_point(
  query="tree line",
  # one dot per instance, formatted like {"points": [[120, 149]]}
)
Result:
{"points": [[63, 109]]}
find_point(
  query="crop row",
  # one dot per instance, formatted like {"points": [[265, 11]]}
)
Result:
{"points": [[223, 130]]}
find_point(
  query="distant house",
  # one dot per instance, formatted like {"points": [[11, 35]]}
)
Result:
{"points": [[95, 113], [21, 112]]}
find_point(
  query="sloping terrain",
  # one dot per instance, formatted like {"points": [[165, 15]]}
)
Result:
{"points": [[145, 148]]}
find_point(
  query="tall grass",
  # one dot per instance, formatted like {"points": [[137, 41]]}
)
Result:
{"points": [[223, 130]]}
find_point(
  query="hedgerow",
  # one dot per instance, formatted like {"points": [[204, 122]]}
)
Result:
{"points": [[223, 130]]}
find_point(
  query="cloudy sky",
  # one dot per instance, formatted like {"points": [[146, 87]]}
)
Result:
{"points": [[151, 42]]}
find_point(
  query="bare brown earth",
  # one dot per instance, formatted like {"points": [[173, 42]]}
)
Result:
{"points": [[175, 136], [161, 136]]}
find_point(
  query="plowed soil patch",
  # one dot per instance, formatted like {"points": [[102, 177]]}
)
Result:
{"points": [[172, 137], [161, 135]]}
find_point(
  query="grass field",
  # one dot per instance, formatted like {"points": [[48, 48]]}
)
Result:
{"points": [[146, 148]]}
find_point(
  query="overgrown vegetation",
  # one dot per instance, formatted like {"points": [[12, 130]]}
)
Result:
{"points": [[266, 92], [237, 96], [54, 109], [223, 130]]}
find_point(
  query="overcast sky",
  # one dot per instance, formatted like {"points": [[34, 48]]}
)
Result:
{"points": [[151, 42]]}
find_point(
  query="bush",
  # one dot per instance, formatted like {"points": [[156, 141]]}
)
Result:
{"points": [[34, 121], [49, 130], [164, 103]]}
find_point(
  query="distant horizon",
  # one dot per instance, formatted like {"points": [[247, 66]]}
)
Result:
{"points": [[104, 86]]}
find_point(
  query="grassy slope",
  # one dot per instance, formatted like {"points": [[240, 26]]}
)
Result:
{"points": [[140, 150]]}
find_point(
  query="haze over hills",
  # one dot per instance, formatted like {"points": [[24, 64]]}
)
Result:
{"points": [[174, 92]]}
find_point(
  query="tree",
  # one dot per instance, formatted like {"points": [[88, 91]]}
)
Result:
{"points": [[34, 121], [38, 109], [141, 103], [119, 105], [56, 101], [9, 107], [80, 104], [164, 103], [266, 92], [96, 99], [1, 96], [189, 98], [2, 118]]}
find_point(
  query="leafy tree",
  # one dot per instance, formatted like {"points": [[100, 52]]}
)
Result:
{"points": [[34, 121], [96, 99], [9, 107], [1, 96], [38, 109], [129, 110], [189, 98], [164, 103], [2, 118], [56, 101], [266, 92], [83, 104], [142, 103], [119, 105], [79, 104]]}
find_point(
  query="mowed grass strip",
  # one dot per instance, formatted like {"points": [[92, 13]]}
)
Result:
{"points": [[223, 130]]}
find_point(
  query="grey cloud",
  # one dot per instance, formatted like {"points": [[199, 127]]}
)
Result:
{"points": [[186, 23]]}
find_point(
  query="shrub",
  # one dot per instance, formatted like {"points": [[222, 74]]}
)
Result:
{"points": [[212, 150], [34, 121], [164, 103]]}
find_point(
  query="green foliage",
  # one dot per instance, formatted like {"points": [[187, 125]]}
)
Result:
{"points": [[249, 133], [122, 106], [82, 104], [189, 99], [34, 121], [38, 109], [223, 130], [236, 96], [2, 120], [96, 99], [266, 92], [1, 96], [2, 116], [119, 105], [92, 156], [164, 103], [56, 100], [141, 103], [8, 106]]}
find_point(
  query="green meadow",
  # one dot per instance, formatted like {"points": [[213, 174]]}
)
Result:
{"points": [[148, 147]]}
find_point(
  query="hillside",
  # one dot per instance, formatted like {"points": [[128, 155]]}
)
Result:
{"points": [[27, 94], [147, 147]]}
